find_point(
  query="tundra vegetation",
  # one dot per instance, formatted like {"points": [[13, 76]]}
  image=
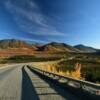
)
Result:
{"points": [[79, 66], [79, 61]]}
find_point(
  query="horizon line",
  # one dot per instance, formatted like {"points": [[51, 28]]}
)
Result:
{"points": [[32, 42]]}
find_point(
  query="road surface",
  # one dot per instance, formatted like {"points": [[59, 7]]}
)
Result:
{"points": [[17, 82]]}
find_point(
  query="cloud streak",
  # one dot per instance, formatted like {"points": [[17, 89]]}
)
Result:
{"points": [[30, 19]]}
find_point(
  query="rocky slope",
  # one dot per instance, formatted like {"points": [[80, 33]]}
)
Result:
{"points": [[61, 47]]}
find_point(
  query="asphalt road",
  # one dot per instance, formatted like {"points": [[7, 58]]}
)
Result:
{"points": [[17, 82]]}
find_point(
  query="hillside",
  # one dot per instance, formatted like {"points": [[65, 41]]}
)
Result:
{"points": [[13, 43], [54, 47], [84, 48], [12, 47]]}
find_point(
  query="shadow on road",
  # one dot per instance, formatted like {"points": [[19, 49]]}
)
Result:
{"points": [[28, 91], [59, 91]]}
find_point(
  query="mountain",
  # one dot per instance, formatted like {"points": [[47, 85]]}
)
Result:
{"points": [[12, 47], [84, 48], [13, 43], [54, 47]]}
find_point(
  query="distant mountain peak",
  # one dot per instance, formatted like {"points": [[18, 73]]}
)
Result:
{"points": [[56, 46], [13, 43], [50, 47], [56, 43], [85, 48]]}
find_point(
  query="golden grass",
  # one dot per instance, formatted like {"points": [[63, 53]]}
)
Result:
{"points": [[51, 67]]}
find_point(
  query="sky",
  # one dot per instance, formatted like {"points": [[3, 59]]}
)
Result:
{"points": [[69, 21]]}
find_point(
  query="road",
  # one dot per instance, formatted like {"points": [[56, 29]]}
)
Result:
{"points": [[17, 82]]}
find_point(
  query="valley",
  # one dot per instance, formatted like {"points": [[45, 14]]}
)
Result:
{"points": [[79, 61]]}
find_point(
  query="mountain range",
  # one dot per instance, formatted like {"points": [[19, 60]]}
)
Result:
{"points": [[18, 47]]}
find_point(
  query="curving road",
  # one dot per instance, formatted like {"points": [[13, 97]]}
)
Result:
{"points": [[17, 82]]}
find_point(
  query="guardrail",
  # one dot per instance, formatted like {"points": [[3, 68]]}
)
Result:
{"points": [[89, 87]]}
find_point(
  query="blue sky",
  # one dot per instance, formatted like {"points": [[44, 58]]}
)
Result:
{"points": [[68, 21]]}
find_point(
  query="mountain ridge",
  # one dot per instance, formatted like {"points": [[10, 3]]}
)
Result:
{"points": [[85, 48], [49, 47]]}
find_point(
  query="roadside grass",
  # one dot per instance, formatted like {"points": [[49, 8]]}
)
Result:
{"points": [[79, 69], [78, 66], [55, 67]]}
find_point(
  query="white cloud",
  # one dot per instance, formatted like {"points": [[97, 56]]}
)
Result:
{"points": [[32, 20]]}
